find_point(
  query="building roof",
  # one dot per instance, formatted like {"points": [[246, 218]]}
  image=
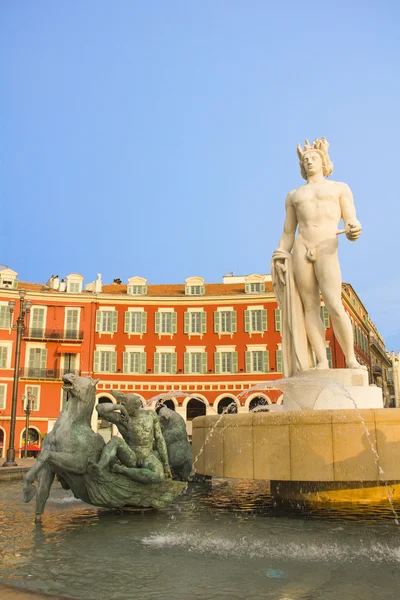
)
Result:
{"points": [[168, 290]]}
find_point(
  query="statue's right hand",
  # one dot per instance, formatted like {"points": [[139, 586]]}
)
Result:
{"points": [[281, 271]]}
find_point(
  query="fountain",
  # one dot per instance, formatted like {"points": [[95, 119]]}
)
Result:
{"points": [[334, 442], [247, 533]]}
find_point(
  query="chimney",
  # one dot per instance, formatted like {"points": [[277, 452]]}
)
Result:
{"points": [[98, 286]]}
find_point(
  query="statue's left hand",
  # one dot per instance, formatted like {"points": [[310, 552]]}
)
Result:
{"points": [[353, 230], [167, 472]]}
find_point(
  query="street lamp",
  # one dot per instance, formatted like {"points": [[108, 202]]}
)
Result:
{"points": [[25, 308], [27, 406]]}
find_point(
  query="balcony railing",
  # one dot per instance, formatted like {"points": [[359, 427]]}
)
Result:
{"points": [[61, 335], [31, 373]]}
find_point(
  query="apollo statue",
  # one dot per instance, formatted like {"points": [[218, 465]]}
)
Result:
{"points": [[306, 265]]}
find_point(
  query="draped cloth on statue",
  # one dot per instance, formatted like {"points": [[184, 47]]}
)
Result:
{"points": [[297, 353]]}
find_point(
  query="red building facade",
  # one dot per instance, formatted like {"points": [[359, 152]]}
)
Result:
{"points": [[203, 346]]}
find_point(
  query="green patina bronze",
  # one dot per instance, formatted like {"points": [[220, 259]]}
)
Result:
{"points": [[113, 475]]}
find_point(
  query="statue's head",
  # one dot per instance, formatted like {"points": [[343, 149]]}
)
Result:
{"points": [[131, 402], [314, 158], [81, 388]]}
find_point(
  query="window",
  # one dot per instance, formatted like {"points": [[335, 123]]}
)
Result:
{"points": [[3, 395], [329, 357], [257, 361], [255, 320], [105, 361], [37, 362], [278, 360], [137, 290], [225, 321], [165, 362], [37, 322], [277, 319], [195, 362], [226, 362], [324, 316], [106, 321], [165, 322], [74, 287], [5, 316], [255, 288], [71, 323], [70, 363], [194, 290], [4, 357], [134, 362], [195, 323], [135, 322]]}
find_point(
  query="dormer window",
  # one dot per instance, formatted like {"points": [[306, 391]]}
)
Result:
{"points": [[255, 284], [74, 283], [194, 286], [8, 278], [137, 290], [137, 286]]}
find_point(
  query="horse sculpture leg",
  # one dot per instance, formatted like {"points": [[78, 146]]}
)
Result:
{"points": [[63, 461], [46, 478]]}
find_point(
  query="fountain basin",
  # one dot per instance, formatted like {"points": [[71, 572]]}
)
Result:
{"points": [[324, 455]]}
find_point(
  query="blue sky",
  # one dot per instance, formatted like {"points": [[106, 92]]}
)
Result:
{"points": [[159, 138]]}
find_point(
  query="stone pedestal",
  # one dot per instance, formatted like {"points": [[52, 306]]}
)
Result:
{"points": [[328, 389]]}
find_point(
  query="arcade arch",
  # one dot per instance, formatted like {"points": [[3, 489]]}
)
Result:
{"points": [[224, 401]]}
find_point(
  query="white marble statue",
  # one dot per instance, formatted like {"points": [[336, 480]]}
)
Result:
{"points": [[307, 264]]}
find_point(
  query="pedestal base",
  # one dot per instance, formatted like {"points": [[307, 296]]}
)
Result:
{"points": [[335, 491], [331, 389]]}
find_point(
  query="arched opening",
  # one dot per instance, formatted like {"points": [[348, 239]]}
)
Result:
{"points": [[2, 440], [104, 428], [195, 408], [258, 403], [168, 403], [227, 406], [33, 442]]}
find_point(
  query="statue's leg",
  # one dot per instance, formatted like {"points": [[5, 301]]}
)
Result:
{"points": [[66, 461], [29, 490], [151, 472], [117, 448], [308, 287], [330, 279], [46, 478]]}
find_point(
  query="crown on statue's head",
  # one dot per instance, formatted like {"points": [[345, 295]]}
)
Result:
{"points": [[321, 146]]}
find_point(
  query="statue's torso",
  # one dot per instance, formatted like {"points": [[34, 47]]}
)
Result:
{"points": [[139, 432], [318, 210]]}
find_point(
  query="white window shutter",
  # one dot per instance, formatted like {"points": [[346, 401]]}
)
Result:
{"points": [[127, 322], [113, 362], [203, 322], [247, 321], [173, 322], [186, 362], [217, 322], [96, 364], [156, 361], [3, 356], [173, 362], [204, 362], [143, 322], [264, 322], [125, 362], [277, 319], [265, 361], [143, 362], [114, 321], [98, 320], [217, 362], [248, 361], [234, 362], [186, 322], [157, 322], [43, 358]]}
